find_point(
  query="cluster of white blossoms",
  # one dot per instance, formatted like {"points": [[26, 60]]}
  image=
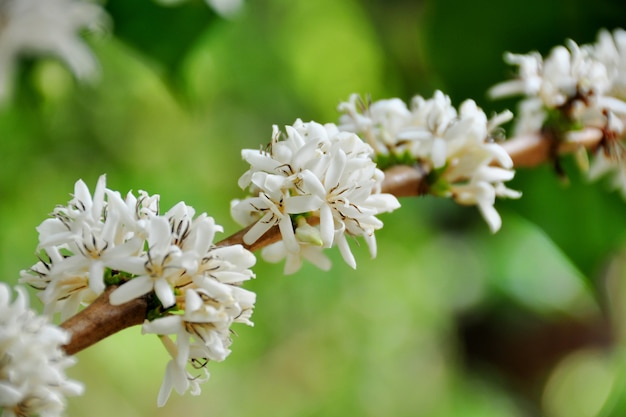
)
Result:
{"points": [[456, 150], [574, 92], [32, 362], [318, 185], [105, 239], [46, 27]]}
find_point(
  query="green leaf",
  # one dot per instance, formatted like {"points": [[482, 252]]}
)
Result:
{"points": [[164, 34], [586, 220]]}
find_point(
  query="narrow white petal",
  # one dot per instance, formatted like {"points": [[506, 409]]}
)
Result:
{"points": [[96, 276], [192, 300], [491, 216], [288, 234], [312, 184], [130, 290], [327, 225], [164, 292], [259, 229], [438, 152], [98, 197], [335, 169], [344, 248], [163, 326], [302, 204]]}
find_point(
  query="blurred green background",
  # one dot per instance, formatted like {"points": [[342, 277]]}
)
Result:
{"points": [[447, 321]]}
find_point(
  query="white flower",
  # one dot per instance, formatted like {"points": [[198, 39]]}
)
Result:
{"points": [[575, 88], [157, 269], [379, 123], [455, 149], [314, 172], [582, 83], [225, 8], [46, 27], [107, 240], [85, 239], [276, 252], [212, 302], [32, 361], [610, 49]]}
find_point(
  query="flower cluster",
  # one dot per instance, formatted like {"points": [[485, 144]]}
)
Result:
{"points": [[574, 92], [316, 184], [82, 242], [32, 362], [47, 27], [456, 150], [105, 239]]}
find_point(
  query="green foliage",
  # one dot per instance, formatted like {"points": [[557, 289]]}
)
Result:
{"points": [[165, 35], [383, 340]]}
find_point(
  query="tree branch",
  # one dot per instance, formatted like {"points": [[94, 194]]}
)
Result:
{"points": [[101, 319]]}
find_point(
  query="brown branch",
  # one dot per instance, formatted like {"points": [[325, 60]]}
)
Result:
{"points": [[101, 319], [532, 150]]}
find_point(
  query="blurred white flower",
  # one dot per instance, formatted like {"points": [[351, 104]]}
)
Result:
{"points": [[575, 88], [46, 27], [225, 8], [456, 150], [32, 362], [569, 80], [318, 173], [610, 50]]}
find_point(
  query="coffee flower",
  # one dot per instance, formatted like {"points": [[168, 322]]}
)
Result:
{"points": [[193, 286], [224, 8], [576, 91], [316, 184], [202, 331], [32, 361], [208, 300], [82, 241], [572, 84], [456, 150], [46, 27]]}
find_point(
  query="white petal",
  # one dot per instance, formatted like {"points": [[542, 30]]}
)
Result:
{"points": [[491, 216], [370, 239], [344, 248], [302, 204], [438, 152], [327, 225], [315, 255], [237, 255], [98, 197], [259, 229], [293, 263], [335, 169], [164, 325], [164, 292], [312, 184], [130, 290], [9, 396], [96, 277], [383, 203], [288, 234]]}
